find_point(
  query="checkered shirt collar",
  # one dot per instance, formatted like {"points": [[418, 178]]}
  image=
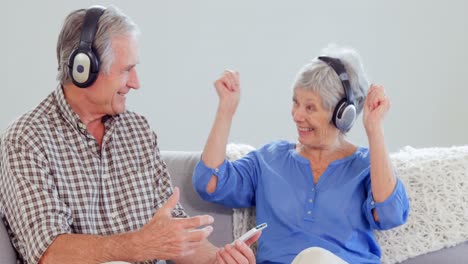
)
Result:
{"points": [[71, 116]]}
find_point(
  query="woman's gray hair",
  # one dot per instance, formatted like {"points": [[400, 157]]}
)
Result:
{"points": [[112, 23], [320, 78]]}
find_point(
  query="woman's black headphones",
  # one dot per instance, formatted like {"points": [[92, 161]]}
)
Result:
{"points": [[344, 114], [84, 62]]}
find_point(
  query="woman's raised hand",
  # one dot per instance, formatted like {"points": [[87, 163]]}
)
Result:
{"points": [[228, 89]]}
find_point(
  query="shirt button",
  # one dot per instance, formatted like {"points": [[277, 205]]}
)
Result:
{"points": [[309, 212], [216, 170], [114, 215], [310, 200], [372, 203], [313, 189]]}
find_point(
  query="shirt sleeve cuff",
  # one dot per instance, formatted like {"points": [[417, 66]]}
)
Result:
{"points": [[392, 212], [202, 175], [40, 242]]}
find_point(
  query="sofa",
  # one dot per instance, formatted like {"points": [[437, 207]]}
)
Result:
{"points": [[181, 163]]}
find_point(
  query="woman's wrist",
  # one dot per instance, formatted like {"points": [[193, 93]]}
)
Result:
{"points": [[375, 134]]}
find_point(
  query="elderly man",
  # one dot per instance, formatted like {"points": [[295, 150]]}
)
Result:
{"points": [[82, 177]]}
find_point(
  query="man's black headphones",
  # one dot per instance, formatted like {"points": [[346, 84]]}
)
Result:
{"points": [[344, 114], [84, 61]]}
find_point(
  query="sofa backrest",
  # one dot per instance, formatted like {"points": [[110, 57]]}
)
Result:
{"points": [[180, 165]]}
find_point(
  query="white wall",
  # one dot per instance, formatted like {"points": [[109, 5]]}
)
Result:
{"points": [[417, 49]]}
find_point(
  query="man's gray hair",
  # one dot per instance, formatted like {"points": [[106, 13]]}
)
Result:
{"points": [[320, 78], [112, 23]]}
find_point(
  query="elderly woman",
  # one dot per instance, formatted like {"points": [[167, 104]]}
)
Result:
{"points": [[322, 195]]}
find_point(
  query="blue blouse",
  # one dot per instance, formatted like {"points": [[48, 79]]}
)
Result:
{"points": [[335, 214]]}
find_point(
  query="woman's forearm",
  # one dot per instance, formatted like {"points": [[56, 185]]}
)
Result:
{"points": [[382, 179], [215, 148]]}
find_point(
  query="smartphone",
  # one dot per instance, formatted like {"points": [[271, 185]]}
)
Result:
{"points": [[252, 232]]}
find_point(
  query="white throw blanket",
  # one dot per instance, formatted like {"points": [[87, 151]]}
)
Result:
{"points": [[436, 180]]}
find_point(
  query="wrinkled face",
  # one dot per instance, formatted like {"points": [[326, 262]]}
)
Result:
{"points": [[312, 120], [108, 95]]}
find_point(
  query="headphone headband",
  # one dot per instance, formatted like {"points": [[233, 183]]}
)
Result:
{"points": [[340, 70], [89, 27]]}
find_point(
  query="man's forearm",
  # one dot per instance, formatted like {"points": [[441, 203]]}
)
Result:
{"points": [[78, 248]]}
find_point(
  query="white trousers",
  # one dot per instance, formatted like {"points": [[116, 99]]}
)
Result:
{"points": [[317, 255]]}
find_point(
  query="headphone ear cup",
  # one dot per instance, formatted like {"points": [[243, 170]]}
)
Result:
{"points": [[84, 68], [344, 115]]}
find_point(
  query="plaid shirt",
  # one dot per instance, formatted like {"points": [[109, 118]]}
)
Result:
{"points": [[55, 179]]}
